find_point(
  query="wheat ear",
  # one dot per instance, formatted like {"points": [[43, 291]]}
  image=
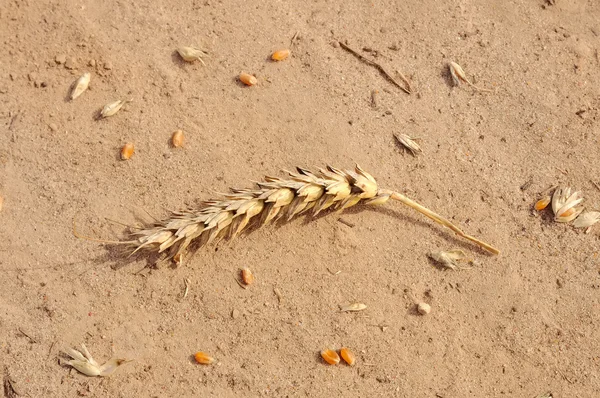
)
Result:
{"points": [[273, 199]]}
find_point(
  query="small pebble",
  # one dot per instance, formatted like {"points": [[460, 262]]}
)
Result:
{"points": [[423, 308], [108, 65], [235, 314], [92, 63], [177, 139], [71, 64], [60, 59], [53, 127]]}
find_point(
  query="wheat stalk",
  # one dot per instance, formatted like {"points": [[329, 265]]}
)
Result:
{"points": [[273, 199]]}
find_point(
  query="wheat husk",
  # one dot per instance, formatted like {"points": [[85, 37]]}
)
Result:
{"points": [[304, 192], [564, 203], [84, 363]]}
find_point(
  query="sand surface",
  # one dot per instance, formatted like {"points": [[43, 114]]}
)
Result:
{"points": [[515, 325]]}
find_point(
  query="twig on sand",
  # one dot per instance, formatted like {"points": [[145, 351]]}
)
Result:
{"points": [[380, 68]]}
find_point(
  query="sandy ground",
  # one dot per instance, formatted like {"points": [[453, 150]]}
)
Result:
{"points": [[515, 325]]}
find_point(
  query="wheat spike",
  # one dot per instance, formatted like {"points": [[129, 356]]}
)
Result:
{"points": [[275, 198]]}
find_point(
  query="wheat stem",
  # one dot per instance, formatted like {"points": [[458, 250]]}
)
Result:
{"points": [[439, 219]]}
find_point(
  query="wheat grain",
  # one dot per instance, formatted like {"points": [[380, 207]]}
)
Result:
{"points": [[273, 199]]}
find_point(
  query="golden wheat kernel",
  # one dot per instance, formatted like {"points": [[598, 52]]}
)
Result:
{"points": [[177, 139], [542, 203], [280, 55], [127, 151], [203, 358], [568, 212], [330, 356], [248, 79], [348, 356], [178, 258], [247, 276]]}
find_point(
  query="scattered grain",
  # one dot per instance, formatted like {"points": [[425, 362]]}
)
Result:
{"points": [[177, 139], [127, 151], [330, 356], [280, 55], [247, 276], [248, 79], [203, 358], [348, 356], [542, 203]]}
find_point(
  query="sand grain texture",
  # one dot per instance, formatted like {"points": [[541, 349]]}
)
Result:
{"points": [[515, 325]]}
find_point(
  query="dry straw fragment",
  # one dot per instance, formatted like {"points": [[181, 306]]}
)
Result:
{"points": [[354, 307], [273, 199], [459, 76], [191, 54], [81, 85], [408, 143], [84, 363], [587, 219]]}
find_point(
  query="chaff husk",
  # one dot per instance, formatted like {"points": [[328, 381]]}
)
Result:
{"points": [[448, 259], [408, 143], [564, 204], [112, 108], [459, 76], [84, 363], [273, 199], [81, 85], [191, 54], [587, 219]]}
